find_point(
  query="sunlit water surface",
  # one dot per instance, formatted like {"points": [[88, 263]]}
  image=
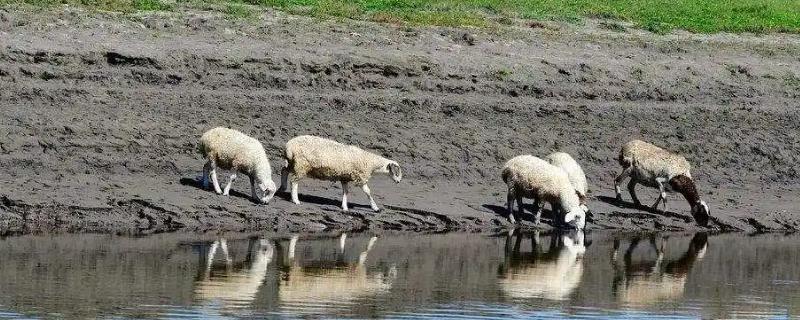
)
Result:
{"points": [[598, 275]]}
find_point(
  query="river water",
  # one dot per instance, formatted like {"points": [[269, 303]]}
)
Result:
{"points": [[503, 275]]}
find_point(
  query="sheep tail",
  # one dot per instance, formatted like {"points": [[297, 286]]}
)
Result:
{"points": [[201, 149], [506, 175], [288, 158], [621, 159]]}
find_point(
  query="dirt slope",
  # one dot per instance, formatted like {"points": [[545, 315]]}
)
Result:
{"points": [[99, 116]]}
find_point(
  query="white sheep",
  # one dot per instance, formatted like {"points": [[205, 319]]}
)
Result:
{"points": [[574, 172], [325, 159], [232, 150], [655, 167], [238, 284], [552, 275], [530, 177], [347, 281]]}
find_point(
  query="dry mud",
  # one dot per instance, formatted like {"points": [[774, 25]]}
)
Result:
{"points": [[100, 114]]}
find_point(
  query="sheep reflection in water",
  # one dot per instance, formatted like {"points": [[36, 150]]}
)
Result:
{"points": [[552, 275], [651, 281], [323, 281], [238, 285]]}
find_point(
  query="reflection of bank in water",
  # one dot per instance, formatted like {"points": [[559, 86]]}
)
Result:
{"points": [[238, 283], [651, 281], [315, 285], [553, 274]]}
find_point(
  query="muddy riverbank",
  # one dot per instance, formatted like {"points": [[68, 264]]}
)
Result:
{"points": [[100, 114]]}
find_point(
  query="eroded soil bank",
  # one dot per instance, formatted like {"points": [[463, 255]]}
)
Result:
{"points": [[99, 116]]}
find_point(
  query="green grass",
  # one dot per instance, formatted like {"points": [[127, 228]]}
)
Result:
{"points": [[151, 5], [661, 16], [656, 15], [238, 11]]}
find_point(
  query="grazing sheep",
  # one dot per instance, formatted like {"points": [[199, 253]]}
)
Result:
{"points": [[240, 283], [325, 159], [641, 283], [232, 150], [654, 167], [551, 275], [334, 282], [530, 177], [574, 172]]}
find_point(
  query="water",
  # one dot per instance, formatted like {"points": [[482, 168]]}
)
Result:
{"points": [[461, 276]]}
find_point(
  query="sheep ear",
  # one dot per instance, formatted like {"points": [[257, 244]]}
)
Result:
{"points": [[394, 169]]}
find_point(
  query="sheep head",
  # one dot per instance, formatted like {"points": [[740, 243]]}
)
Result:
{"points": [[394, 171], [686, 186], [576, 217], [268, 188]]}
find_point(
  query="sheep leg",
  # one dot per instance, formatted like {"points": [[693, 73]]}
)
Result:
{"points": [[520, 205], [344, 196], [539, 206], [558, 214], [214, 180], [659, 252], [626, 172], [228, 262], [292, 245], [284, 177], [372, 203], [632, 191], [253, 188], [363, 256], [614, 251], [210, 259], [661, 196], [295, 198], [631, 247], [342, 242], [655, 205], [206, 171], [228, 185], [510, 205]]}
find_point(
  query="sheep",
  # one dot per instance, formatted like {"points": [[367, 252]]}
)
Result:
{"points": [[649, 282], [232, 150], [325, 159], [530, 177], [343, 280], [574, 172], [551, 275], [239, 284], [655, 167]]}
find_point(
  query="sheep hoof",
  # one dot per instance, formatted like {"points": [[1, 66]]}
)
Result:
{"points": [[377, 210]]}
